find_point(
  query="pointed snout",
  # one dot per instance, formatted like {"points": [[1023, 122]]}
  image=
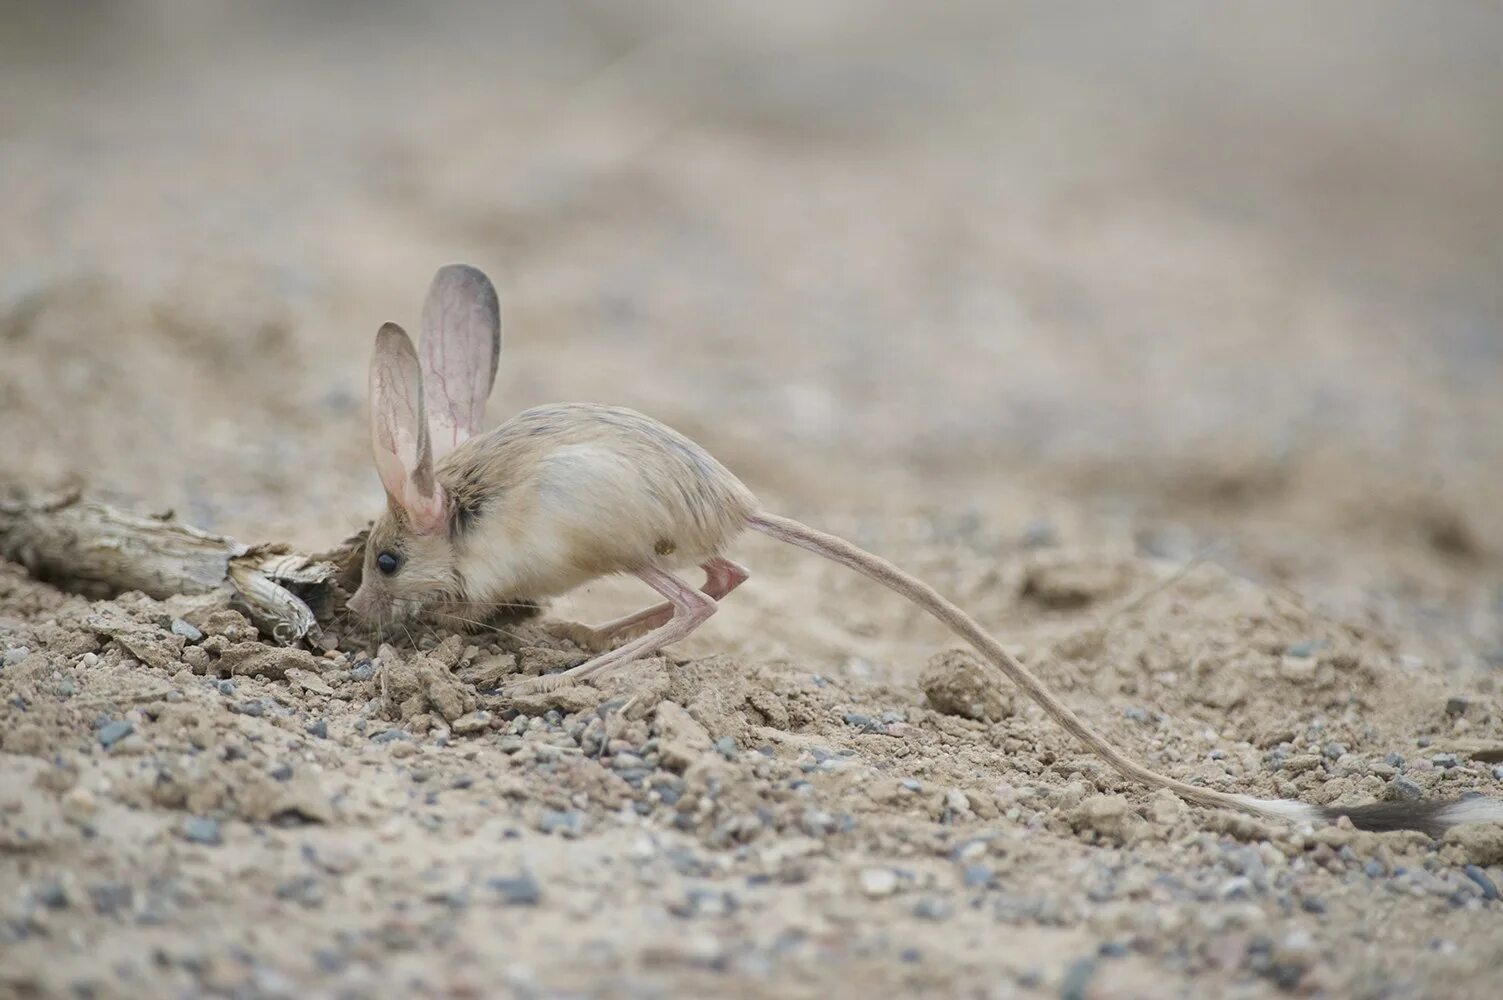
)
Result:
{"points": [[363, 603]]}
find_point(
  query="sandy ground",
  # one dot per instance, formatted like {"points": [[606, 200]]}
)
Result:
{"points": [[1167, 344]]}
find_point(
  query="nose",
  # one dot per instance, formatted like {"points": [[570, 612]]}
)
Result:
{"points": [[360, 604]]}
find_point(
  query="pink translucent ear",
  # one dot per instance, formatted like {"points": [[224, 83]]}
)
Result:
{"points": [[461, 348], [399, 433]]}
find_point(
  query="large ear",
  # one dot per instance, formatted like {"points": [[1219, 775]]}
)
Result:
{"points": [[399, 432], [461, 348]]}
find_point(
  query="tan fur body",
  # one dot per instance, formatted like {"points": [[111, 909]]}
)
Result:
{"points": [[562, 494]]}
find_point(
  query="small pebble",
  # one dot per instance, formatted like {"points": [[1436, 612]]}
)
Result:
{"points": [[52, 895], [202, 830], [363, 671], [1403, 790], [516, 890], [474, 722], [253, 707], [110, 898], [1488, 887], [978, 876], [282, 772], [933, 909], [113, 732], [319, 729], [727, 747], [186, 630], [1077, 978], [879, 882], [567, 823], [388, 735], [226, 687], [1457, 705]]}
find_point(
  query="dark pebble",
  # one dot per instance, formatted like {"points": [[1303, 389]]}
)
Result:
{"points": [[319, 729], [226, 687], [253, 707], [110, 898], [569, 823], [1393, 760], [932, 909], [330, 961], [1422, 742], [1313, 904], [282, 772], [52, 895], [304, 890], [113, 732], [705, 903], [1445, 760], [1039, 534], [201, 830], [857, 720], [1112, 949], [1077, 978], [1457, 705], [978, 876], [363, 671], [910, 956], [389, 736], [516, 890], [1489, 890], [1401, 789]]}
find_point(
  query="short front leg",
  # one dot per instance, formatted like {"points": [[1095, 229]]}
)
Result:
{"points": [[688, 609]]}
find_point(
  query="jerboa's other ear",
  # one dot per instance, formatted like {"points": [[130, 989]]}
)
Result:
{"points": [[461, 348], [399, 433]]}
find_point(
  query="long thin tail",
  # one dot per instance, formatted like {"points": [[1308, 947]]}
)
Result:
{"points": [[1431, 817]]}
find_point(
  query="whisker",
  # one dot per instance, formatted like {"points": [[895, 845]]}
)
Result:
{"points": [[480, 625]]}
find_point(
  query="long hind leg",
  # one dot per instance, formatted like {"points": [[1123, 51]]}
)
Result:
{"points": [[688, 609], [721, 577]]}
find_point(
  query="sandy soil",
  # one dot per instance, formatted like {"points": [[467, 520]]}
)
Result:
{"points": [[1168, 347]]}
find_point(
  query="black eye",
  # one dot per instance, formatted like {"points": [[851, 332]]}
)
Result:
{"points": [[387, 562]]}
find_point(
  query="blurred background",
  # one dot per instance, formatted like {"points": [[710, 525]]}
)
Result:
{"points": [[1159, 275]]}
